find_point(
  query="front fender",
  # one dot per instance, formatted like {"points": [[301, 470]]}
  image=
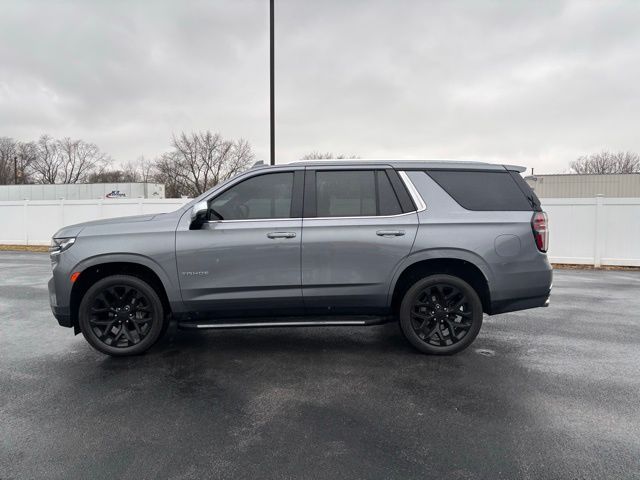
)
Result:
{"points": [[169, 282]]}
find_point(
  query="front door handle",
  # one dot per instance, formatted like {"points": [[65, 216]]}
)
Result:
{"points": [[281, 235], [390, 233]]}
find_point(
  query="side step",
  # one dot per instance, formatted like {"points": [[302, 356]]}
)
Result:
{"points": [[278, 323]]}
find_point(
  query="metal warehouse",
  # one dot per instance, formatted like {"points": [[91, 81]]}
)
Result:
{"points": [[574, 185], [81, 191]]}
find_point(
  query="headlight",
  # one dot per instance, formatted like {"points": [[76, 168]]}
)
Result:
{"points": [[59, 245]]}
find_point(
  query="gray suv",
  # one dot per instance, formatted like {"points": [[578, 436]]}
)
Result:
{"points": [[433, 245]]}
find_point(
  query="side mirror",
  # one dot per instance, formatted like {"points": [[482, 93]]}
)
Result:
{"points": [[199, 214]]}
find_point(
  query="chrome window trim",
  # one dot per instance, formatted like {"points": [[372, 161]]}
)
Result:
{"points": [[310, 218], [254, 220], [365, 217], [413, 191]]}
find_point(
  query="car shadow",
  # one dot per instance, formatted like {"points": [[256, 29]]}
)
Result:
{"points": [[289, 340]]}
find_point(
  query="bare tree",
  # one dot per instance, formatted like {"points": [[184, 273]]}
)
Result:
{"points": [[15, 160], [315, 155], [8, 152], [107, 176], [27, 153], [67, 160], [46, 164], [607, 162], [140, 170], [199, 161], [166, 171], [79, 159]]}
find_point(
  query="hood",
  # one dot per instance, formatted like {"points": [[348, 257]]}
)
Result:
{"points": [[74, 230]]}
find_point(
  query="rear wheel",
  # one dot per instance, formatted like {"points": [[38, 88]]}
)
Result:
{"points": [[121, 315], [441, 315]]}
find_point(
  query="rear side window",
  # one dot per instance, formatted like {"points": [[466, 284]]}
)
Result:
{"points": [[346, 193], [528, 192], [482, 190], [388, 203], [355, 193]]}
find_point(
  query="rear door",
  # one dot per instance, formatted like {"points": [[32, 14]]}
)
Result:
{"points": [[359, 223], [246, 259]]}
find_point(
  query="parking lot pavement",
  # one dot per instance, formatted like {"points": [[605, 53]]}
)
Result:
{"points": [[545, 393]]}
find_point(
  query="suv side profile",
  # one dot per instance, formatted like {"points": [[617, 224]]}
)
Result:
{"points": [[431, 244]]}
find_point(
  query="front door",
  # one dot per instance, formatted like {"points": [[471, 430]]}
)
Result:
{"points": [[246, 259], [358, 227]]}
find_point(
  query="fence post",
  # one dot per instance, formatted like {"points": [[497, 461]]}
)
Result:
{"points": [[25, 222], [61, 209], [600, 233]]}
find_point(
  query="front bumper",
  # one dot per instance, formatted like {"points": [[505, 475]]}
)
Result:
{"points": [[62, 313]]}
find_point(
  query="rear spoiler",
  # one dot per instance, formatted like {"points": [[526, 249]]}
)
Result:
{"points": [[515, 168]]}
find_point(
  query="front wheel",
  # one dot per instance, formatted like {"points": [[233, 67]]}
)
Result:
{"points": [[441, 314], [121, 315]]}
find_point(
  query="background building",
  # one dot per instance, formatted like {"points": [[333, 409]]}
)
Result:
{"points": [[576, 186], [81, 191]]}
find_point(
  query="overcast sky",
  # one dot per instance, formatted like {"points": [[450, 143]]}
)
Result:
{"points": [[534, 83]]}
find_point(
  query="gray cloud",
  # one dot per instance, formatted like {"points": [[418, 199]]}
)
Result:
{"points": [[535, 83]]}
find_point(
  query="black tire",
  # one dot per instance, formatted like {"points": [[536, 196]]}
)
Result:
{"points": [[121, 315], [441, 315]]}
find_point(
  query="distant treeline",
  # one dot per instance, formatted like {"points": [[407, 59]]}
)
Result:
{"points": [[196, 162]]}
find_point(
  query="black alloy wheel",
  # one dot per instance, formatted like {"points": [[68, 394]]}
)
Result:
{"points": [[121, 315], [441, 314]]}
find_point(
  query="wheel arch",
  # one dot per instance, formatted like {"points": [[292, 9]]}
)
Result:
{"points": [[460, 264], [104, 266]]}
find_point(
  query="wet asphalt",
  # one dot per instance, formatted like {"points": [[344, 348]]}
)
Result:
{"points": [[546, 393]]}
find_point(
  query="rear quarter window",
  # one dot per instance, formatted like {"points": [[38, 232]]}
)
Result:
{"points": [[482, 190]]}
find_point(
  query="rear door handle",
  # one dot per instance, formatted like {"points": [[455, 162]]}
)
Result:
{"points": [[281, 235], [390, 233]]}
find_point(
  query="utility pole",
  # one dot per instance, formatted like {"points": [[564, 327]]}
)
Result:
{"points": [[15, 169], [272, 89]]}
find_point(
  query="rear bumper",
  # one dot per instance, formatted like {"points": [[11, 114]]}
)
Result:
{"points": [[504, 306], [529, 286]]}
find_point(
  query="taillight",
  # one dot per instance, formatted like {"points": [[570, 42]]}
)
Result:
{"points": [[540, 228]]}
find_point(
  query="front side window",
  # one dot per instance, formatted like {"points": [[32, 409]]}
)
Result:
{"points": [[355, 193], [262, 197]]}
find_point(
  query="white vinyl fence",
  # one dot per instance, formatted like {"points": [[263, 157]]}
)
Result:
{"points": [[594, 231], [591, 231], [33, 222]]}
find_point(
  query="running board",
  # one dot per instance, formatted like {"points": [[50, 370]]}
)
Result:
{"points": [[276, 324]]}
